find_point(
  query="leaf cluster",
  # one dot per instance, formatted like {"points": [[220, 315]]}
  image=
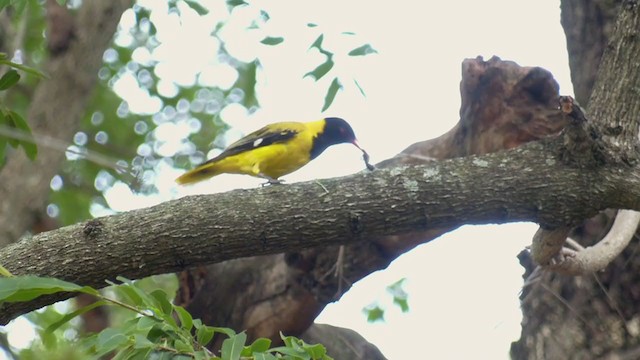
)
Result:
{"points": [[159, 329], [11, 122], [325, 67]]}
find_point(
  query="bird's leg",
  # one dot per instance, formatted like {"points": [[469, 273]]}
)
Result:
{"points": [[270, 180]]}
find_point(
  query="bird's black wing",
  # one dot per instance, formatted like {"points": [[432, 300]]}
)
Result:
{"points": [[263, 137]]}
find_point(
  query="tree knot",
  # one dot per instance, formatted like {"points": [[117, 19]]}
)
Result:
{"points": [[582, 143]]}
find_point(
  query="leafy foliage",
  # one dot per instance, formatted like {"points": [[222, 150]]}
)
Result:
{"points": [[14, 130], [325, 67], [160, 327], [375, 311]]}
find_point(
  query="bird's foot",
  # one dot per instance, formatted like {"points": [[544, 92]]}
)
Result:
{"points": [[271, 181]]}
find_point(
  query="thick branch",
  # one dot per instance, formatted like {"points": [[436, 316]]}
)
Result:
{"points": [[596, 258], [198, 230]]}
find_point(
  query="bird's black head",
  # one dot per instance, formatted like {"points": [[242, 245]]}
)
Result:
{"points": [[336, 131]]}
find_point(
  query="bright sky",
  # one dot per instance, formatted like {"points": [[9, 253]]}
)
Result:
{"points": [[463, 288]]}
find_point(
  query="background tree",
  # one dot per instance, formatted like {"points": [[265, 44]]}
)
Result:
{"points": [[531, 92]]}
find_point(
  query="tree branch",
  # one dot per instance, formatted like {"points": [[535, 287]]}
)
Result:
{"points": [[596, 258], [197, 230]]}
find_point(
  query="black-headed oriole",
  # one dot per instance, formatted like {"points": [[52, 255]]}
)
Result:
{"points": [[276, 150]]}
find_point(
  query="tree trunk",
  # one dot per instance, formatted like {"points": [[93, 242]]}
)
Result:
{"points": [[57, 107], [595, 316]]}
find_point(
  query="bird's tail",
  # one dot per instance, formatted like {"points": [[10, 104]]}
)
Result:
{"points": [[202, 172]]}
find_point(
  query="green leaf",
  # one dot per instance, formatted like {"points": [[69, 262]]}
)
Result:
{"points": [[400, 296], [317, 351], [348, 33], [201, 355], [260, 345], [141, 342], [365, 49], [30, 148], [161, 297], [183, 346], [291, 342], [186, 321], [264, 356], [374, 313], [226, 331], [126, 291], [201, 10], [53, 327], [110, 339], [331, 93], [317, 43], [402, 303], [321, 70], [197, 323], [157, 334], [140, 297], [49, 340], [133, 354], [359, 87], [234, 3], [25, 288], [204, 335], [269, 40], [294, 353], [3, 271], [146, 322], [9, 79], [311, 25], [232, 347]]}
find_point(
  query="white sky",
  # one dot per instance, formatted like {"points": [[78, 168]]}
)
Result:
{"points": [[463, 287]]}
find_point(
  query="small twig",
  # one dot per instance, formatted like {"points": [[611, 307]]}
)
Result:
{"points": [[611, 301], [565, 303], [129, 307], [55, 144], [322, 186]]}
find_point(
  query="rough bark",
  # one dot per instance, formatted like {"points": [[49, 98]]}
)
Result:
{"points": [[587, 25], [592, 316], [56, 110]]}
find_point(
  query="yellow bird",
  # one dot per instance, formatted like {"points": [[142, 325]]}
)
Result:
{"points": [[276, 150]]}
